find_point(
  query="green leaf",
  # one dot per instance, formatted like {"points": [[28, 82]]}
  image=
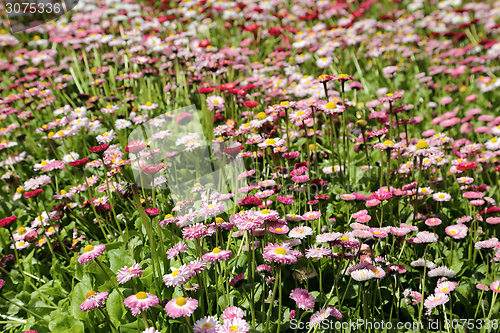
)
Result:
{"points": [[62, 322], [116, 311], [118, 259]]}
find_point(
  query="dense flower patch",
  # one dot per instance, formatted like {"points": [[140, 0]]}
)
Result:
{"points": [[249, 166]]}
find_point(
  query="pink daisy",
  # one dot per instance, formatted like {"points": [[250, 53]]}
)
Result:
{"points": [[435, 300], [127, 273], [318, 252], [90, 252], [216, 255], [363, 218], [93, 300], [175, 250], [232, 312], [181, 307], [208, 324], [303, 299], [236, 325], [433, 222], [313, 215], [281, 253], [279, 229], [177, 277], [457, 231], [495, 286], [140, 302]]}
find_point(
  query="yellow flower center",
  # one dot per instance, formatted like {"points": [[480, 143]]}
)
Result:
{"points": [[216, 250], [108, 106], [280, 250], [261, 115], [342, 76], [21, 243], [148, 104], [88, 248], [206, 326], [441, 196], [452, 232], [21, 231], [211, 206], [181, 301], [422, 145], [63, 192], [265, 211], [141, 295], [493, 140], [284, 103], [219, 220], [300, 113], [388, 143], [51, 229], [90, 293], [174, 273], [270, 142], [330, 105], [41, 241], [344, 239], [279, 229], [233, 328], [215, 101]]}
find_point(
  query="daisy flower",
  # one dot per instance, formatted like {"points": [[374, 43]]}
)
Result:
{"points": [[276, 142], [93, 300], [236, 325], [457, 231], [90, 252], [177, 277], [303, 299], [141, 301], [208, 324], [433, 222], [362, 275], [301, 115], [441, 196], [310, 216], [280, 253], [300, 232], [435, 300], [217, 255], [279, 229], [211, 209], [175, 250], [318, 252], [181, 307], [232, 312], [442, 271], [127, 273]]}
